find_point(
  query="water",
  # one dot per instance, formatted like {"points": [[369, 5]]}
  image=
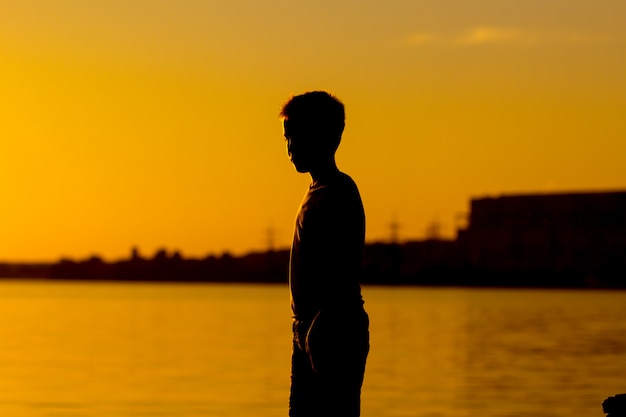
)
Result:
{"points": [[128, 350]]}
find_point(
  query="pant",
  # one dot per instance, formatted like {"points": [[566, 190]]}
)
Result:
{"points": [[326, 382]]}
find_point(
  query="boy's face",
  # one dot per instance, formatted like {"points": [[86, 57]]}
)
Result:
{"points": [[300, 145]]}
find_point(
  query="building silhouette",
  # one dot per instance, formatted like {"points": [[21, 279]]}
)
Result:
{"points": [[574, 239]]}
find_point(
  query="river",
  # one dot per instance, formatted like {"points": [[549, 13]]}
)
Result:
{"points": [[70, 349]]}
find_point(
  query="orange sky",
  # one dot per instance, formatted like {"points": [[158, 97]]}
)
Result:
{"points": [[153, 123]]}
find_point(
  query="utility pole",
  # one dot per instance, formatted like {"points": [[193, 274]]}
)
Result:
{"points": [[433, 230], [394, 227], [270, 235]]}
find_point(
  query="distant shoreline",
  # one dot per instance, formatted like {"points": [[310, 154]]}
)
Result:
{"points": [[430, 263]]}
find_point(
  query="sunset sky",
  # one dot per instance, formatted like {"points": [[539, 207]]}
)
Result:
{"points": [[154, 123]]}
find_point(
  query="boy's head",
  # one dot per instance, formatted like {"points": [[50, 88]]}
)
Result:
{"points": [[313, 123]]}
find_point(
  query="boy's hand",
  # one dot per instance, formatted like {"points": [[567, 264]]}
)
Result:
{"points": [[314, 340]]}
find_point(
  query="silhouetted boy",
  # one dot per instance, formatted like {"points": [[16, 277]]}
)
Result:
{"points": [[331, 336]]}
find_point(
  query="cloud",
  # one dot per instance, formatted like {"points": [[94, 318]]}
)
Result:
{"points": [[493, 35]]}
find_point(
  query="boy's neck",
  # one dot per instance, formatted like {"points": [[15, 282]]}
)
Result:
{"points": [[324, 172]]}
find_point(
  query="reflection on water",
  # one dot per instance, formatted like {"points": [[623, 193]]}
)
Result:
{"points": [[113, 349], [496, 352]]}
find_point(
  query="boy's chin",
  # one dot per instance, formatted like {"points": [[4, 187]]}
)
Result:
{"points": [[301, 169]]}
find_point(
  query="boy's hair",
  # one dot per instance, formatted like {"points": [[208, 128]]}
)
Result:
{"points": [[317, 111]]}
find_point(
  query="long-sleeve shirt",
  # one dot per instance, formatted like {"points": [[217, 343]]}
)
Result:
{"points": [[327, 251]]}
